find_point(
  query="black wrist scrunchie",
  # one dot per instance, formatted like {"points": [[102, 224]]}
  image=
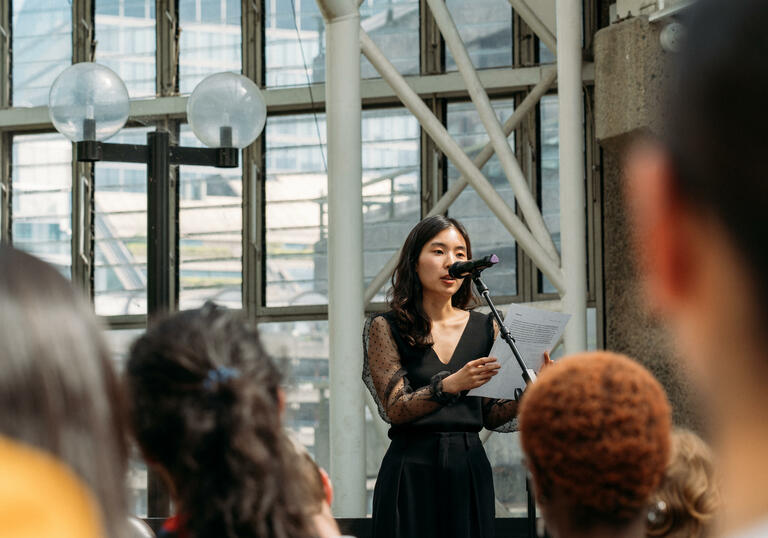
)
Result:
{"points": [[438, 395]]}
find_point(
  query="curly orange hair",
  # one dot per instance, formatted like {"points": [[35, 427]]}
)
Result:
{"points": [[596, 427]]}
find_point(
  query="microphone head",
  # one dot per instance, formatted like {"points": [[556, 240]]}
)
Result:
{"points": [[466, 268], [456, 270]]}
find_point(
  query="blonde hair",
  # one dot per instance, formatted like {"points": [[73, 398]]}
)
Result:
{"points": [[689, 491]]}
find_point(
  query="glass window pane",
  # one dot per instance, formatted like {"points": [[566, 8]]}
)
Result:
{"points": [[297, 208], [394, 26], [106, 7], [137, 485], [545, 55], [294, 46], [485, 27], [120, 220], [591, 328], [506, 457], [295, 38], [119, 342], [41, 186], [302, 349], [42, 48], [488, 235], [211, 11], [210, 40], [210, 233], [376, 445], [550, 175], [125, 42], [391, 186]]}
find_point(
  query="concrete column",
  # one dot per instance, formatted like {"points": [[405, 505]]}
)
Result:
{"points": [[630, 76]]}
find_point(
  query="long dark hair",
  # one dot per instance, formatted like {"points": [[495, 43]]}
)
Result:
{"points": [[205, 406], [406, 294], [58, 389]]}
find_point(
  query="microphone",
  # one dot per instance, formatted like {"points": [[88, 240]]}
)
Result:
{"points": [[463, 269]]}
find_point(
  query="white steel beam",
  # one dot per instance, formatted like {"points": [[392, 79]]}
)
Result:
{"points": [[466, 167], [506, 156], [345, 255], [572, 195], [669, 11], [530, 101], [541, 30], [286, 99]]}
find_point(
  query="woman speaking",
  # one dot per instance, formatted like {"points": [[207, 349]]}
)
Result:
{"points": [[420, 359]]}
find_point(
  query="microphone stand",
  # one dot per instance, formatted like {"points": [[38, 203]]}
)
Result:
{"points": [[528, 376]]}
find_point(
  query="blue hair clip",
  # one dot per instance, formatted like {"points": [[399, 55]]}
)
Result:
{"points": [[219, 375]]}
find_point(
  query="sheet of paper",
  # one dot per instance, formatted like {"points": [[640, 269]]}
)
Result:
{"points": [[535, 331]]}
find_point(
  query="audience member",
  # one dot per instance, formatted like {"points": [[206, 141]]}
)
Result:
{"points": [[205, 409], [687, 500], [595, 433], [321, 493], [699, 202], [58, 391]]}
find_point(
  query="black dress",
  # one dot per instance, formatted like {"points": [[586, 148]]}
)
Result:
{"points": [[435, 479]]}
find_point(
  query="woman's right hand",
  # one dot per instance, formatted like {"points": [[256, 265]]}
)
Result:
{"points": [[474, 374], [546, 361]]}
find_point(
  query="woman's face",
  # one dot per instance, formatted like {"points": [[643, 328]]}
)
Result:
{"points": [[436, 256]]}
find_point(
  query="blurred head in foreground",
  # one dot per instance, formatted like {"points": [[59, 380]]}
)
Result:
{"points": [[595, 432], [58, 391], [685, 504], [205, 404], [698, 197]]}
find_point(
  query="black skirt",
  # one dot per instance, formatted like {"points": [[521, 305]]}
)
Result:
{"points": [[434, 484]]}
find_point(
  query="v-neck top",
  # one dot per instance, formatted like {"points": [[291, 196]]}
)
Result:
{"points": [[421, 364], [461, 335]]}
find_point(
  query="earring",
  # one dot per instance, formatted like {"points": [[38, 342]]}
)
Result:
{"points": [[657, 513]]}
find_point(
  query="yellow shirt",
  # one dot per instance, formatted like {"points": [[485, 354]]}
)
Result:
{"points": [[42, 498]]}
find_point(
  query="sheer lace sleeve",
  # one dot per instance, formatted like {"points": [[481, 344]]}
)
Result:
{"points": [[499, 415], [386, 379]]}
